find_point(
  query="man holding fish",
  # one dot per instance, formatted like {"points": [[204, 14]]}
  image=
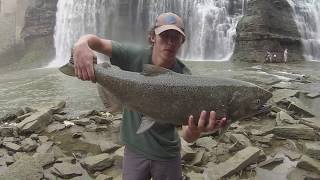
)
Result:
{"points": [[154, 153]]}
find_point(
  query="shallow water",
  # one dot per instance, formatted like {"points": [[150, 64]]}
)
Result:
{"points": [[45, 86]]}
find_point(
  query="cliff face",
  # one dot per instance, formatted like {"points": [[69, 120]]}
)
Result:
{"points": [[268, 25], [28, 32], [40, 19]]}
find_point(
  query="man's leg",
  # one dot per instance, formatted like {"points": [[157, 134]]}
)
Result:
{"points": [[166, 170], [135, 166]]}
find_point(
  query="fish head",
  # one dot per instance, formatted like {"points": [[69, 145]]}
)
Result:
{"points": [[248, 101]]}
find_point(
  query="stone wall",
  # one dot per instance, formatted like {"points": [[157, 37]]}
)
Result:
{"points": [[267, 25], [28, 27]]}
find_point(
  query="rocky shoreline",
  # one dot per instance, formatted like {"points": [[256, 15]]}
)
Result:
{"points": [[283, 143]]}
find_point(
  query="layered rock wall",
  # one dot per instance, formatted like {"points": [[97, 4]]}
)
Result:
{"points": [[268, 25]]}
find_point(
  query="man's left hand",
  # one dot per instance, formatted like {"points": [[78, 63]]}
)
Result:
{"points": [[192, 132]]}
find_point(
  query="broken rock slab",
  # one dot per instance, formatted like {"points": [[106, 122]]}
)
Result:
{"points": [[36, 122], [309, 164], [297, 131], [299, 107], [311, 122], [97, 162], [281, 94], [234, 164], [66, 170], [283, 118], [312, 149], [26, 168]]}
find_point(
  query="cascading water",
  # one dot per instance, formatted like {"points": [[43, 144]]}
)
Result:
{"points": [[210, 25], [75, 18], [307, 17]]}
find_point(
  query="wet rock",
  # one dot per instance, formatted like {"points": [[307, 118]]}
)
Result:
{"points": [[118, 155], [242, 139], [298, 131], [12, 146], [36, 122], [281, 94], [108, 146], [22, 117], [206, 142], [309, 164], [195, 176], [312, 149], [44, 158], [101, 120], [284, 118], [28, 145], [82, 122], [59, 118], [88, 113], [293, 156], [8, 160], [104, 177], [76, 135], [187, 153], [55, 126], [311, 122], [298, 106], [26, 168], [8, 131], [98, 162], [235, 164], [8, 117], [11, 139], [264, 174], [66, 170], [34, 137], [197, 160], [58, 107], [262, 139], [45, 147], [270, 162], [313, 95], [43, 139]]}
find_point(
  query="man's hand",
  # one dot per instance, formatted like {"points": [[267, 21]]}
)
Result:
{"points": [[84, 58], [192, 132]]}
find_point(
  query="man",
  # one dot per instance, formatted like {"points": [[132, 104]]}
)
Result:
{"points": [[156, 152], [285, 55]]}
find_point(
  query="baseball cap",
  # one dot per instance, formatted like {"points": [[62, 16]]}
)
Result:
{"points": [[167, 21]]}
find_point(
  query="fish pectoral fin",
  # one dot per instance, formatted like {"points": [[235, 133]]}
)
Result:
{"points": [[146, 124], [152, 70]]}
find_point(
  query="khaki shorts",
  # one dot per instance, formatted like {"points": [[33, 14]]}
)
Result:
{"points": [[137, 167]]}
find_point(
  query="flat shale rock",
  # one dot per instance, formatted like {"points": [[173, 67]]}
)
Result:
{"points": [[309, 164], [26, 168], [234, 164], [297, 131]]}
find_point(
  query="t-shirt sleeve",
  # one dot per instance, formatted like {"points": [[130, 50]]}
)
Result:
{"points": [[119, 55]]}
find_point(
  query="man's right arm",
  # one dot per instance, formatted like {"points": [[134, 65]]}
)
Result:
{"points": [[83, 54]]}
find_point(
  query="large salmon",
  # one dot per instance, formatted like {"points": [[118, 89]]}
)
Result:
{"points": [[166, 96]]}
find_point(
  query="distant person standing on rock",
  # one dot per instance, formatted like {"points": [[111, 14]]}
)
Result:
{"points": [[285, 55]]}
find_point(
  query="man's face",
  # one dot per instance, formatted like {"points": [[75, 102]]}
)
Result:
{"points": [[167, 44]]}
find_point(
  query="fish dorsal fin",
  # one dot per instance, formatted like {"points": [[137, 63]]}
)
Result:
{"points": [[152, 70]]}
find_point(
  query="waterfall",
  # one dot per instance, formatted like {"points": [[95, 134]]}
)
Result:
{"points": [[75, 18], [307, 17], [210, 25]]}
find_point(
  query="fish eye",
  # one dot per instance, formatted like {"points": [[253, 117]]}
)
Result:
{"points": [[258, 101]]}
